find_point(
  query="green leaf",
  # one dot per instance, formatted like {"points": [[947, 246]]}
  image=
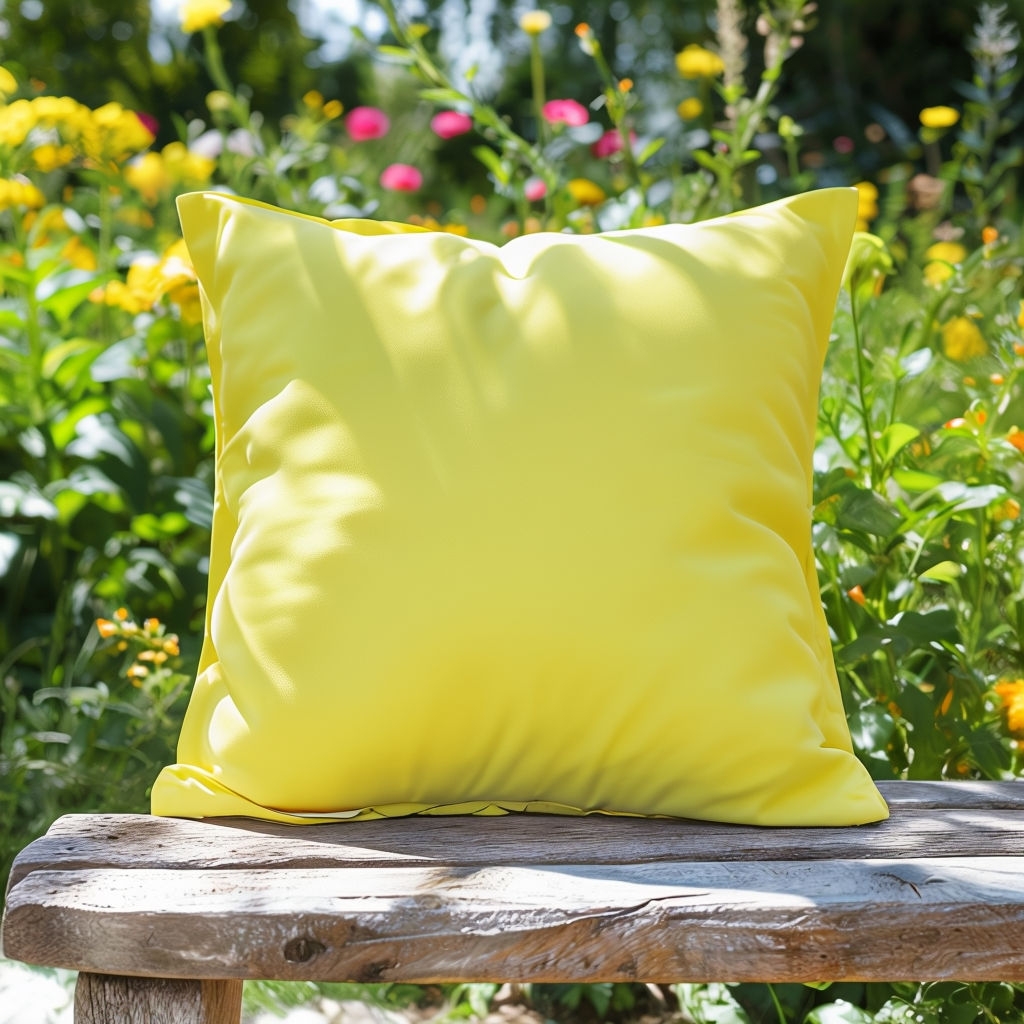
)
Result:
{"points": [[153, 528], [867, 512], [493, 163], [59, 364], [861, 647], [988, 752], [63, 430], [649, 150], [709, 1004], [442, 96], [10, 272], [921, 630], [705, 159], [24, 503], [399, 53], [120, 361], [944, 572], [961, 497], [894, 439], [915, 480], [61, 294], [872, 729], [838, 1013]]}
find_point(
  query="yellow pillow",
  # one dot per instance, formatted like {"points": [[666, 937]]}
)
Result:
{"points": [[516, 528]]}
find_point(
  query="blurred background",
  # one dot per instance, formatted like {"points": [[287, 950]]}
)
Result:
{"points": [[868, 62]]}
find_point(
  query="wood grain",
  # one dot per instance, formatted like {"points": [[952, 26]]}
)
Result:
{"points": [[107, 999], [128, 841], [936, 892], [952, 918]]}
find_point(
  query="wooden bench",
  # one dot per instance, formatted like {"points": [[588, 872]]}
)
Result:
{"points": [[130, 901]]}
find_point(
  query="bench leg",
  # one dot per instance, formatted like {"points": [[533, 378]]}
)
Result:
{"points": [[114, 999]]}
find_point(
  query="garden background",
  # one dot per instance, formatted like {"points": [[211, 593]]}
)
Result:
{"points": [[492, 119]]}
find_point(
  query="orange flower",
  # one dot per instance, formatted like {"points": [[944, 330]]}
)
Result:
{"points": [[1006, 511], [106, 628], [1011, 692], [1016, 437], [989, 235], [856, 595]]}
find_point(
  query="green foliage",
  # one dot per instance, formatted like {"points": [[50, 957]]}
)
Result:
{"points": [[106, 432]]}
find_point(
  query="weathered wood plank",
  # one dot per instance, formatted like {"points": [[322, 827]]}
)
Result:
{"points": [[952, 918], [131, 841], [109, 999], [955, 795]]}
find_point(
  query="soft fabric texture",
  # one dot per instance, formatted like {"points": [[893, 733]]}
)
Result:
{"points": [[516, 528]]}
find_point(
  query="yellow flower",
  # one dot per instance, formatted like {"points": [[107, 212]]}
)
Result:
{"points": [[218, 101], [149, 176], [586, 192], [1011, 691], [939, 117], [535, 22], [690, 109], [936, 273], [867, 202], [17, 119], [114, 134], [333, 109], [697, 62], [136, 673], [1020, 315], [198, 14], [8, 83], [951, 252], [48, 157], [187, 167], [78, 254], [186, 298], [149, 281], [20, 192], [962, 340], [942, 255]]}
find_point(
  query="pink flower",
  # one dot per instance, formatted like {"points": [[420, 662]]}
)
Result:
{"points": [[367, 123], [610, 143], [149, 122], [535, 189], [450, 123], [401, 178], [565, 112]]}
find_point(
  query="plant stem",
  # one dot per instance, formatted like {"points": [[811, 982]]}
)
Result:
{"points": [[862, 401], [778, 1006], [537, 82]]}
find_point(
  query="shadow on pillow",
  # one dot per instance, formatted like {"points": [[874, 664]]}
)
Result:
{"points": [[516, 528]]}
